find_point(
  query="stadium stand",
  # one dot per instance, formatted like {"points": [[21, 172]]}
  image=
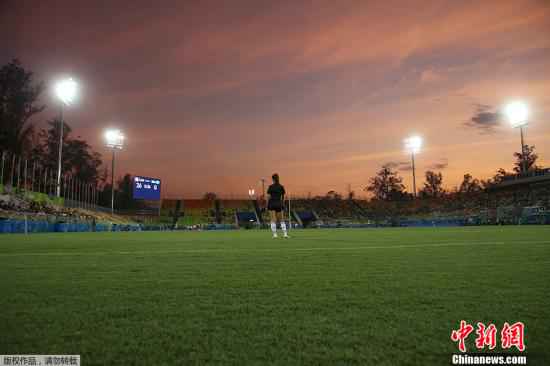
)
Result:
{"points": [[305, 218], [521, 198], [30, 212], [516, 199], [246, 219]]}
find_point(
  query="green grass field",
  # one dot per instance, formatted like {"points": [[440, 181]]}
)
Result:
{"points": [[334, 297]]}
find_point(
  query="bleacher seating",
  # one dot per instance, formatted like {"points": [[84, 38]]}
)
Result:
{"points": [[246, 219]]}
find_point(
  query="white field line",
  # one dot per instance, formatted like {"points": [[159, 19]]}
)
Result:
{"points": [[280, 249]]}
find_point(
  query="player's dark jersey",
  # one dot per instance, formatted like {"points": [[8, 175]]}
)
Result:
{"points": [[276, 192]]}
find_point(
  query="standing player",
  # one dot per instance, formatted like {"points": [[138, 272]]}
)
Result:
{"points": [[276, 194]]}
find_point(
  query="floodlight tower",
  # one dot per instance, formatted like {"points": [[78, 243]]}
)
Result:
{"points": [[114, 140], [65, 90], [517, 114], [413, 145], [263, 188]]}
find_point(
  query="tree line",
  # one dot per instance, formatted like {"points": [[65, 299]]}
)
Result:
{"points": [[21, 108], [387, 185]]}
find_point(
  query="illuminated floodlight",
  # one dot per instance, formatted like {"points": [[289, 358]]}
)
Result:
{"points": [[413, 144], [66, 90], [251, 192], [114, 139], [517, 113]]}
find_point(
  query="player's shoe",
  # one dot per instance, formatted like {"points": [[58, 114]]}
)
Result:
{"points": [[275, 236], [286, 236]]}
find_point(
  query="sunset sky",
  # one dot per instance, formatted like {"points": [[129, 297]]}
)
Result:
{"points": [[214, 95]]}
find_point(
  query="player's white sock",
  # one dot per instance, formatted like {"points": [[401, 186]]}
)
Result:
{"points": [[283, 227], [274, 228]]}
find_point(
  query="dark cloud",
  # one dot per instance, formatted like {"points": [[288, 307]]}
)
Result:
{"points": [[440, 165], [406, 166], [402, 166], [484, 119]]}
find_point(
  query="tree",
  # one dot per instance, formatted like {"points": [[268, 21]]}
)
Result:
{"points": [[78, 158], [18, 103], [469, 185], [499, 176], [386, 185], [210, 196], [333, 195], [104, 195], [529, 157], [123, 196], [433, 185]]}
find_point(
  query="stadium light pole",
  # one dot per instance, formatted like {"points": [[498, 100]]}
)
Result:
{"points": [[413, 145], [263, 188], [65, 90], [115, 141], [517, 114]]}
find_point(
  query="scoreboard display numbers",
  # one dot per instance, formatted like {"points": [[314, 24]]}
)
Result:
{"points": [[146, 188]]}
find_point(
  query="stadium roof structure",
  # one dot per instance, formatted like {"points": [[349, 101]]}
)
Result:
{"points": [[540, 176]]}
